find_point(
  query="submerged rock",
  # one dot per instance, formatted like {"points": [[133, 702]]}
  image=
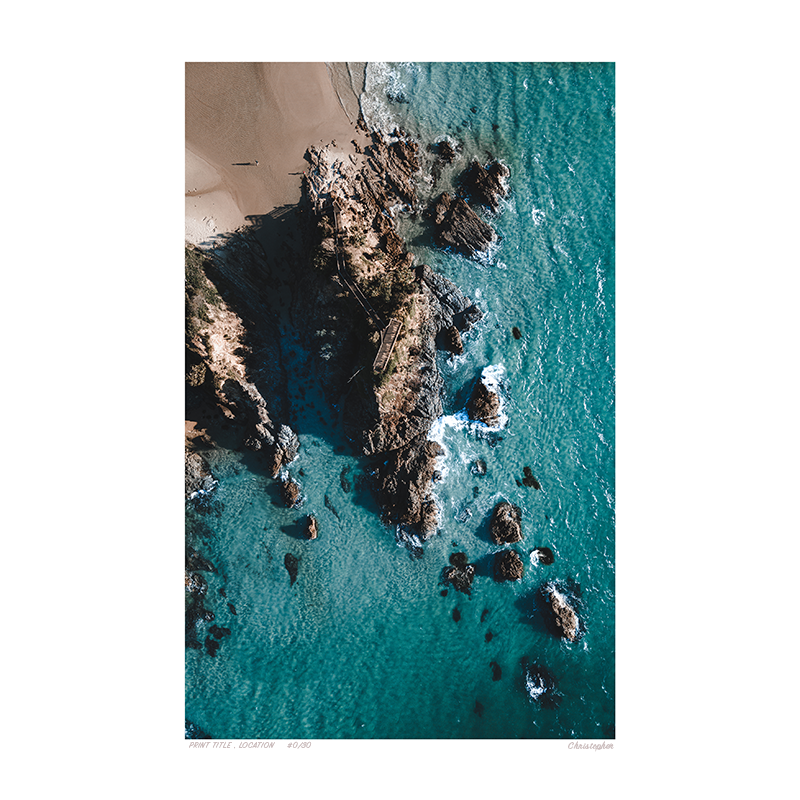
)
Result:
{"points": [[529, 480], [506, 524], [507, 566], [461, 574], [516, 332], [497, 673], [544, 555], [291, 563]]}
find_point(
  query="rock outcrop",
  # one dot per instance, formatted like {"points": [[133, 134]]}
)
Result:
{"points": [[559, 612], [390, 414], [311, 530], [544, 555], [484, 405], [458, 227], [404, 486], [506, 523], [485, 185], [290, 493], [507, 566]]}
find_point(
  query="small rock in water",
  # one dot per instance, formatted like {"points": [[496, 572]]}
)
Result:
{"points": [[507, 566], [544, 555], [497, 673], [479, 467], [311, 529], [489, 636], [443, 593], [232, 609], [475, 491], [516, 332], [456, 615], [212, 645], [484, 614], [459, 560]]}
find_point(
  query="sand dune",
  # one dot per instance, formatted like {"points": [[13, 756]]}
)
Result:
{"points": [[243, 112]]}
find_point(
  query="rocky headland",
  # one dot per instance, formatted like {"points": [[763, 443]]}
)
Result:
{"points": [[343, 278], [389, 410]]}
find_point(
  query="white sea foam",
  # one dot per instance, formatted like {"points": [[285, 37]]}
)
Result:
{"points": [[537, 216]]}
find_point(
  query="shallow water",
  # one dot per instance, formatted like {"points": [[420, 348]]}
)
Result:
{"points": [[364, 645]]}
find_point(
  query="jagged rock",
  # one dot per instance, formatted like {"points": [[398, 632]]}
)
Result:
{"points": [[197, 474], [290, 492], [516, 332], [311, 527], [449, 305], [478, 467], [507, 566], [452, 340], [283, 449], [459, 227], [195, 584], [404, 485], [484, 405], [561, 617], [445, 151], [486, 185], [506, 524]]}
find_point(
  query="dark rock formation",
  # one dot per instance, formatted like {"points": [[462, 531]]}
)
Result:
{"points": [[516, 332], [284, 450], [506, 524], [291, 563], [507, 566], [458, 227], [488, 636], [529, 480], [311, 527], [485, 185], [195, 584], [559, 612], [452, 340], [544, 555], [478, 708], [445, 151], [461, 574], [484, 405], [456, 615], [497, 673], [478, 467], [540, 684], [197, 475], [290, 492], [404, 486]]}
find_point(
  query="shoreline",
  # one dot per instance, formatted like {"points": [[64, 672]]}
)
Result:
{"points": [[239, 113]]}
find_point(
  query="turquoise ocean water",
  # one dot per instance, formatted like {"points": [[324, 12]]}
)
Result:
{"points": [[364, 645]]}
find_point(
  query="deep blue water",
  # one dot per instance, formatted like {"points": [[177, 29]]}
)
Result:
{"points": [[364, 645]]}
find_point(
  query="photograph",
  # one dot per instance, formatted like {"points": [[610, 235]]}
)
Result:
{"points": [[399, 383]]}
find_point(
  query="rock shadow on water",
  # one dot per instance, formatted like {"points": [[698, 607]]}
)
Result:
{"points": [[530, 611], [295, 529]]}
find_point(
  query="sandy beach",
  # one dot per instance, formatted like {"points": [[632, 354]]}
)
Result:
{"points": [[240, 113]]}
